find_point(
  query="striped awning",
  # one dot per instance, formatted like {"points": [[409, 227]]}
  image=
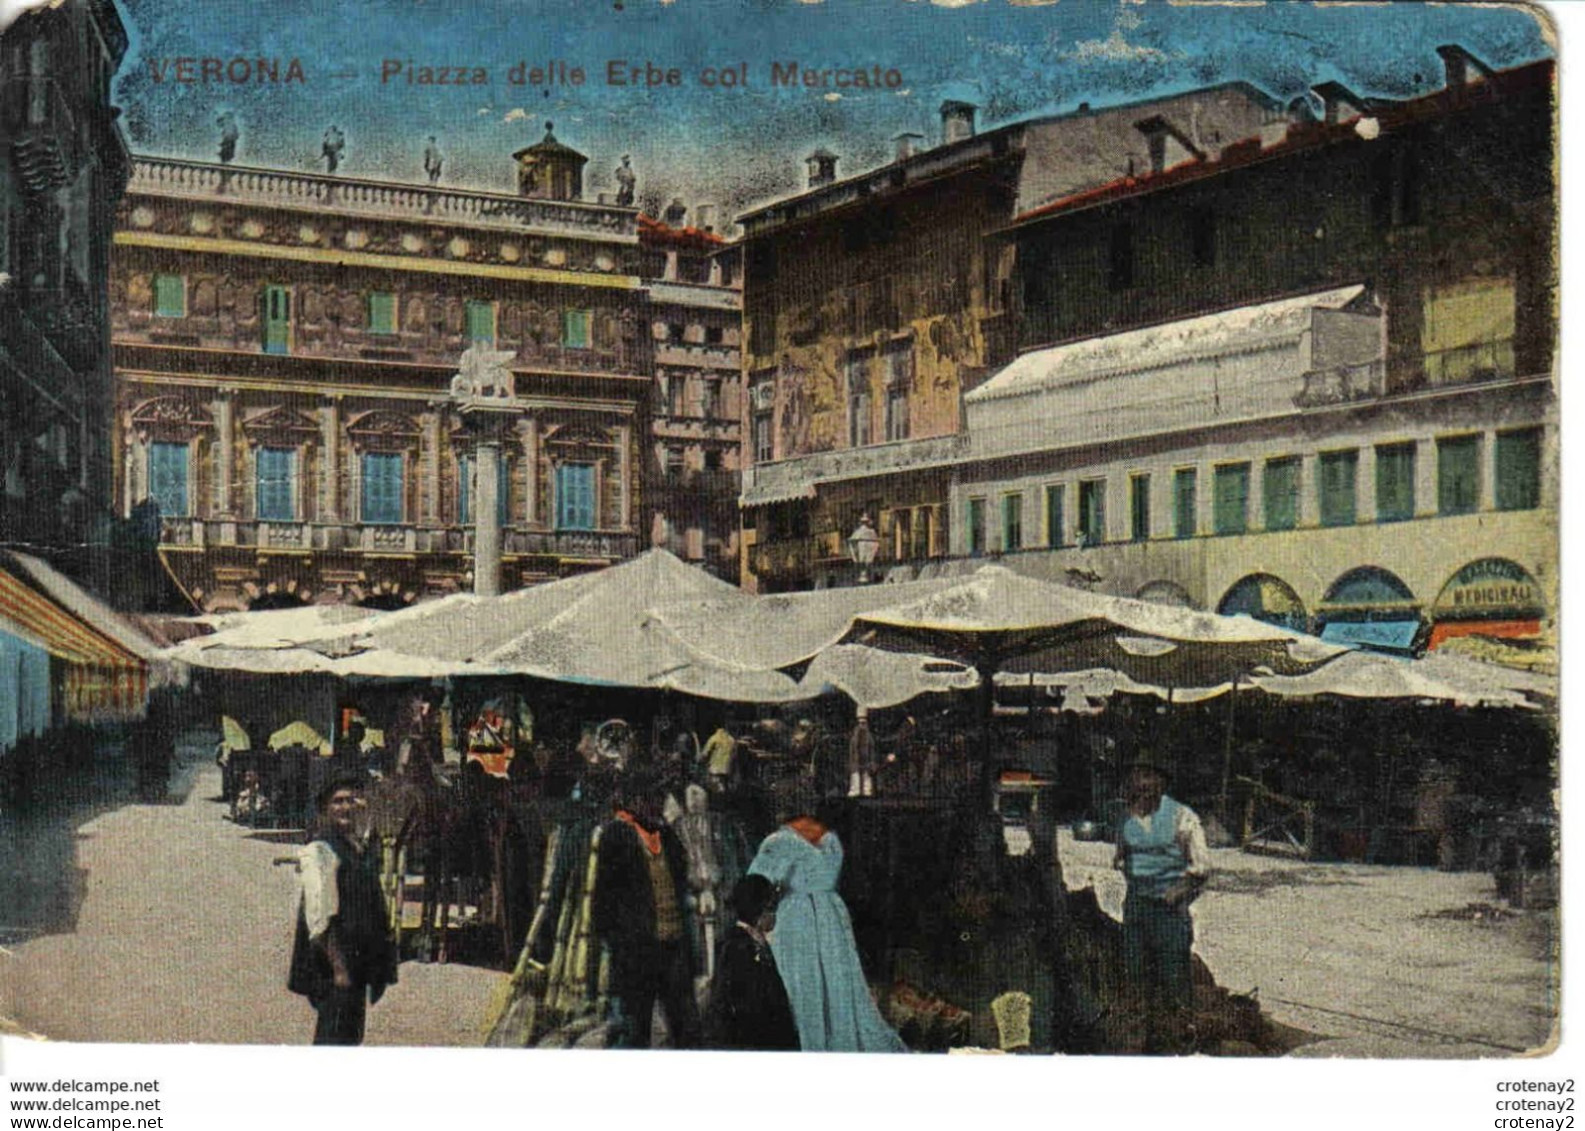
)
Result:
{"points": [[102, 680]]}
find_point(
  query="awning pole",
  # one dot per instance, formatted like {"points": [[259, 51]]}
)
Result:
{"points": [[1227, 753]]}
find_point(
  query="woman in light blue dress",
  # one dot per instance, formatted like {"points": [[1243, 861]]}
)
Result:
{"points": [[813, 943]]}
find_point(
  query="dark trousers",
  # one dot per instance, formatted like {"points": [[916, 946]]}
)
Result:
{"points": [[663, 972], [340, 1016], [1157, 943]]}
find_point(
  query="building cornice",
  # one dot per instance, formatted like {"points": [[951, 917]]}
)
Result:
{"points": [[211, 246]]}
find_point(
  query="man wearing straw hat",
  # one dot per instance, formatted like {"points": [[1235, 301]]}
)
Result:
{"points": [[1161, 851]]}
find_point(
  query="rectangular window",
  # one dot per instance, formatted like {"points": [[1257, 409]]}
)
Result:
{"points": [[1092, 512], [710, 398], [674, 463], [575, 502], [1339, 480], [168, 478], [1012, 522], [764, 438], [1458, 475], [897, 412], [481, 322], [275, 481], [1394, 482], [1232, 498], [858, 382], [976, 527], [1185, 502], [382, 312], [1519, 470], [170, 296], [383, 493], [277, 319], [1139, 507], [575, 329], [1280, 493], [1055, 530]]}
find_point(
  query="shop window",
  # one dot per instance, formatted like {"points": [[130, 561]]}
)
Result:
{"points": [[1339, 480], [1092, 512], [383, 492], [1139, 507], [1012, 522], [1519, 470], [170, 296], [1458, 475], [1280, 493], [1185, 502], [575, 502], [168, 478], [275, 484], [1231, 502], [1055, 530], [1395, 483], [382, 312]]}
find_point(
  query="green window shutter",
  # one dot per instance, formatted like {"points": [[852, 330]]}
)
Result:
{"points": [[1458, 475], [481, 323], [1231, 501], [382, 312], [275, 483], [1092, 511], [976, 530], [277, 319], [1280, 493], [1395, 483], [575, 496], [1139, 507], [382, 487], [170, 296], [1339, 474], [1519, 470], [168, 478], [1055, 516], [1012, 522], [1185, 483], [575, 329]]}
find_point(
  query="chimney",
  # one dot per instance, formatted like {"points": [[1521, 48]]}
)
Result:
{"points": [[907, 145], [1168, 149], [704, 217], [1338, 103], [822, 168], [676, 214], [957, 121]]}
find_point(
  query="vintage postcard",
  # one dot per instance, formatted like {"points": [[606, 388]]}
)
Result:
{"points": [[982, 527]]}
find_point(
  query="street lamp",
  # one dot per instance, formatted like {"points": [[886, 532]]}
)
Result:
{"points": [[863, 544]]}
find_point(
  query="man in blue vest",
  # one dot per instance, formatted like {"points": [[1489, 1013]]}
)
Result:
{"points": [[1161, 851]]}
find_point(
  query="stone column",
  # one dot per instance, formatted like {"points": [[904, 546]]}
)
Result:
{"points": [[430, 509], [487, 518], [225, 455], [531, 462], [330, 447], [624, 464], [1365, 485]]}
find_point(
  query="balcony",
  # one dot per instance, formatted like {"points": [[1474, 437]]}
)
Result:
{"points": [[406, 539], [347, 196], [697, 355], [1341, 385], [796, 478]]}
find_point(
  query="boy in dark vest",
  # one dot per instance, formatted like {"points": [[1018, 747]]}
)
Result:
{"points": [[1161, 851], [748, 1001], [344, 955]]}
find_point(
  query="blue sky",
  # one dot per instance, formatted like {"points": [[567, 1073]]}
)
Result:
{"points": [[737, 147]]}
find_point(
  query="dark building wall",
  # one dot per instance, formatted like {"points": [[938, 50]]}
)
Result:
{"points": [[1453, 190]]}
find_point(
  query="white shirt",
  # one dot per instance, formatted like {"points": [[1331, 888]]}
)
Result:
{"points": [[1190, 837], [317, 863]]}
